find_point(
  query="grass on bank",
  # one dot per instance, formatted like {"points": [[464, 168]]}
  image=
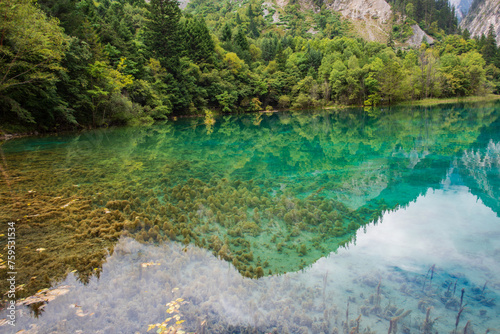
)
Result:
{"points": [[435, 101]]}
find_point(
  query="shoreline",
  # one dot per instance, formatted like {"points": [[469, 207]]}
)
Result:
{"points": [[5, 136]]}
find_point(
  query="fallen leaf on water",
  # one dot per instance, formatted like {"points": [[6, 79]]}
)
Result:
{"points": [[147, 264], [80, 313], [45, 295]]}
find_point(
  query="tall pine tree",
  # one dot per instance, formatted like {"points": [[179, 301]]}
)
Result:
{"points": [[490, 50], [163, 33], [198, 40]]}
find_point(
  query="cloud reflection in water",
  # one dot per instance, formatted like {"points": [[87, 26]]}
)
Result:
{"points": [[448, 227]]}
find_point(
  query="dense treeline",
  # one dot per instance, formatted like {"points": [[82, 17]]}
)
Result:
{"points": [[76, 63]]}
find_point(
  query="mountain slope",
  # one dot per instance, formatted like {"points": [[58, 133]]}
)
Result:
{"points": [[362, 9], [482, 14], [370, 19], [461, 7]]}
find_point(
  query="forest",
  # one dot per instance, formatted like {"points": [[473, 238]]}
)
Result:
{"points": [[74, 64]]}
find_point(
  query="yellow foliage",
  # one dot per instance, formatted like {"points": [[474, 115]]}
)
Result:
{"points": [[166, 327], [114, 79], [255, 51], [220, 50], [272, 67], [233, 62], [118, 79], [209, 121], [155, 67]]}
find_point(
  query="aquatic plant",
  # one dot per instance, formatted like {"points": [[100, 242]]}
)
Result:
{"points": [[431, 270], [154, 192], [302, 250], [355, 329], [427, 325], [393, 325], [259, 272], [458, 316]]}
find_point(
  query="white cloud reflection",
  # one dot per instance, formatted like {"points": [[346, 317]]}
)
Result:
{"points": [[449, 228]]}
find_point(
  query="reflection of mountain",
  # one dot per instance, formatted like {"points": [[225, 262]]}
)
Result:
{"points": [[360, 159], [480, 171], [300, 165], [479, 166], [268, 192]]}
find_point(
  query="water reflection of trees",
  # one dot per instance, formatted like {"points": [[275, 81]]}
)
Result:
{"points": [[255, 189], [480, 170]]}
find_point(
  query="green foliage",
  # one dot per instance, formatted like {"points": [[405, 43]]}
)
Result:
{"points": [[32, 47], [227, 101], [390, 79], [163, 32], [241, 40], [198, 41], [136, 62], [226, 34], [284, 101], [489, 49], [330, 23], [434, 16]]}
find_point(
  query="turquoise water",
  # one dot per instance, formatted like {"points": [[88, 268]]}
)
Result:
{"points": [[130, 219]]}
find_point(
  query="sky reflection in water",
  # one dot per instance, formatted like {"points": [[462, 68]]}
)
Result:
{"points": [[440, 171], [448, 227]]}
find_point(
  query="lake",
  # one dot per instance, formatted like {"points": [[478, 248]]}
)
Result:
{"points": [[334, 221]]}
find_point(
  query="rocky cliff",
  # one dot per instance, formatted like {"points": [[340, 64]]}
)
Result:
{"points": [[481, 15], [371, 19], [418, 37], [362, 9]]}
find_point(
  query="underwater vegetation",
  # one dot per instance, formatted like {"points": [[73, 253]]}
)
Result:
{"points": [[190, 284], [268, 197], [75, 227]]}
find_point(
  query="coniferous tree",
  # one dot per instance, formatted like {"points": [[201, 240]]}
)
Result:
{"points": [[241, 40], [226, 33], [466, 34], [390, 41], [252, 27], [163, 33], [269, 47], [490, 47], [198, 40]]}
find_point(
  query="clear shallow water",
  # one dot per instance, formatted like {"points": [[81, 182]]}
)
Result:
{"points": [[422, 184]]}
